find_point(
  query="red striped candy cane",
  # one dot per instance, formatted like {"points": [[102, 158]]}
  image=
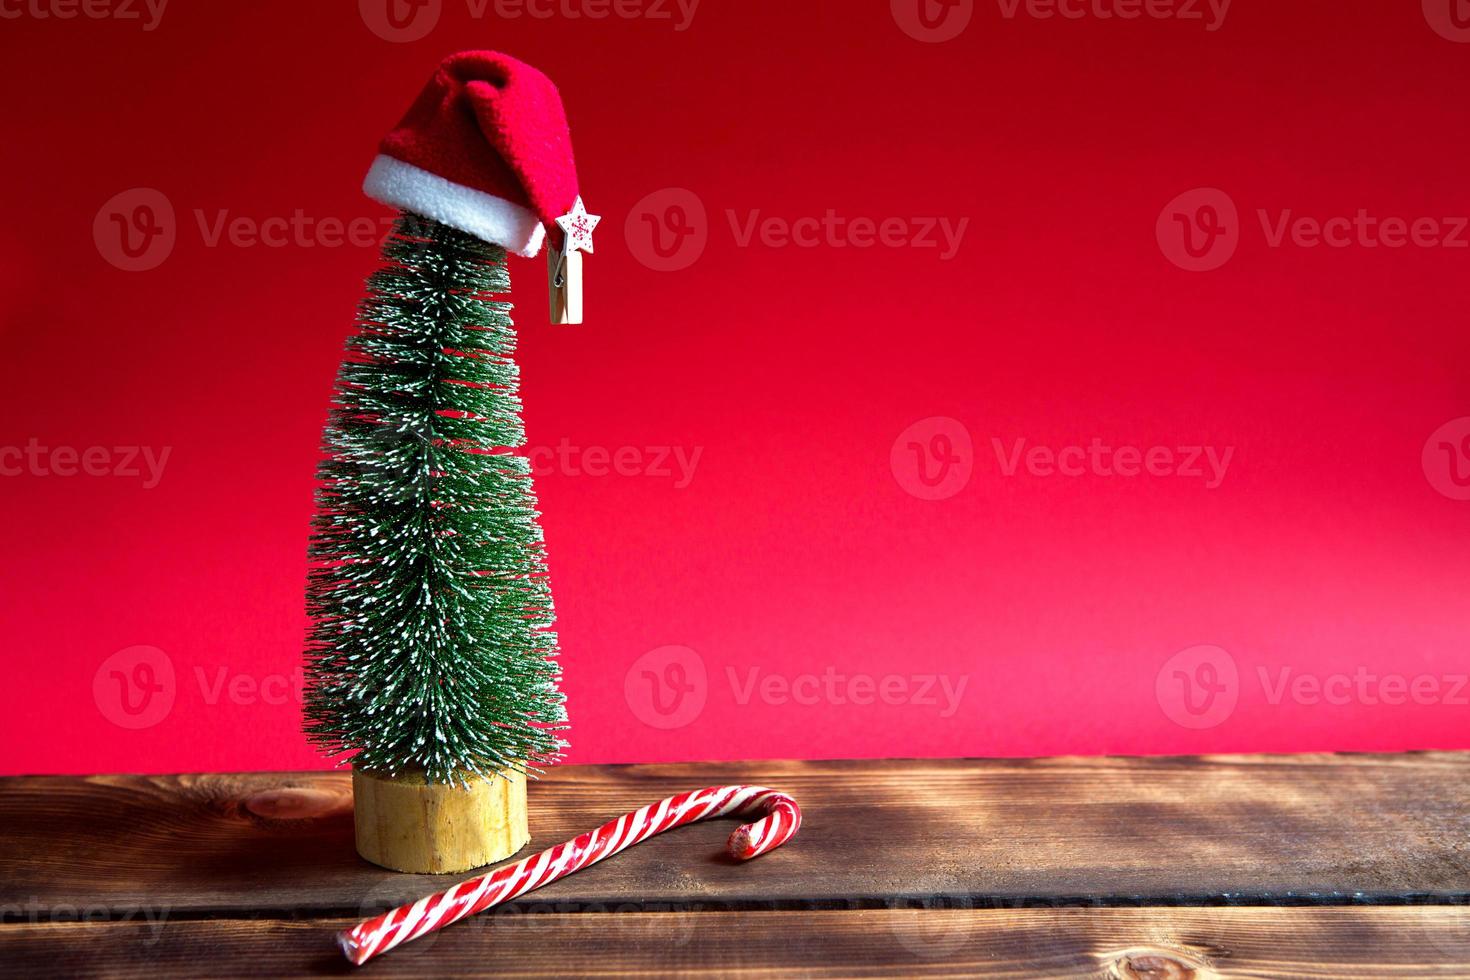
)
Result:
{"points": [[782, 818]]}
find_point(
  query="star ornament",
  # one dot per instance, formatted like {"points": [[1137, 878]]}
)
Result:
{"points": [[578, 225]]}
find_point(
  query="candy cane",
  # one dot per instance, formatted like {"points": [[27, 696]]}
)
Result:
{"points": [[781, 821]]}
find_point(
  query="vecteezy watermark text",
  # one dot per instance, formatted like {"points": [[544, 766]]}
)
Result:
{"points": [[1363, 686], [136, 229], [680, 13], [1211, 13], [123, 462], [1201, 229], [934, 459], [405, 21], [136, 687], [147, 13], [835, 688], [668, 230], [668, 687], [1200, 687], [35, 911], [1097, 458], [833, 230], [1362, 230], [658, 462], [936, 21], [296, 230]]}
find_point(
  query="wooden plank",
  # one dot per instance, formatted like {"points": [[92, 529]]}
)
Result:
{"points": [[1132, 944], [1132, 831]]}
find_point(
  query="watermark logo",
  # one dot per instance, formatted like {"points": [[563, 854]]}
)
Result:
{"points": [[1211, 13], [400, 21], [1450, 19], [933, 925], [145, 463], [1208, 464], [933, 458], [519, 925], [678, 12], [139, 686], [1201, 688], [831, 687], [1446, 459], [248, 689], [404, 21], [377, 455], [1198, 687], [36, 912], [932, 21], [667, 230], [1361, 230], [674, 463], [1447, 929], [296, 230], [1362, 687], [146, 13], [667, 687], [833, 230], [134, 688], [1199, 230], [135, 230]]}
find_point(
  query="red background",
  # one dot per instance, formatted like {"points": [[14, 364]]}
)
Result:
{"points": [[795, 548]]}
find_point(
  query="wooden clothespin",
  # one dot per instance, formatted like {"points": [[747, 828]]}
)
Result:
{"points": [[564, 270], [564, 264]]}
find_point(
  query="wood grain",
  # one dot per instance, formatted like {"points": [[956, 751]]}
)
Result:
{"points": [[407, 824], [1122, 944], [1222, 829]]}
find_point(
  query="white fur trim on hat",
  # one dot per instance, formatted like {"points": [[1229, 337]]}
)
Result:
{"points": [[494, 219]]}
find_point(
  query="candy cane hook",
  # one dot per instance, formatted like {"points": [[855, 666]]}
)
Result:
{"points": [[782, 818]]}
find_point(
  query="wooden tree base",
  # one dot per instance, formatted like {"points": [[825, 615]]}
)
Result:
{"points": [[406, 824]]}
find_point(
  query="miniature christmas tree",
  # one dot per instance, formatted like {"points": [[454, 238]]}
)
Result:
{"points": [[430, 662], [431, 653]]}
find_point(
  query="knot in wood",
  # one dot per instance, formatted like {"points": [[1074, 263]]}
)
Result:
{"points": [[295, 803], [1154, 966]]}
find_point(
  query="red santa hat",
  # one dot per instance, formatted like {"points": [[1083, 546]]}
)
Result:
{"points": [[485, 148]]}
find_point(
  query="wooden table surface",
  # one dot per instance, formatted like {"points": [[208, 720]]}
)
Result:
{"points": [[1259, 866]]}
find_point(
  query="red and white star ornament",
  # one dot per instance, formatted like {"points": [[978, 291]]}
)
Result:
{"points": [[577, 225], [485, 148]]}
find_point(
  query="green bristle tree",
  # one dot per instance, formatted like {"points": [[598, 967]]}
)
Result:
{"points": [[431, 648]]}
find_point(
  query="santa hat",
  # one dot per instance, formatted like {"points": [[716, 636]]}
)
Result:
{"points": [[485, 149]]}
